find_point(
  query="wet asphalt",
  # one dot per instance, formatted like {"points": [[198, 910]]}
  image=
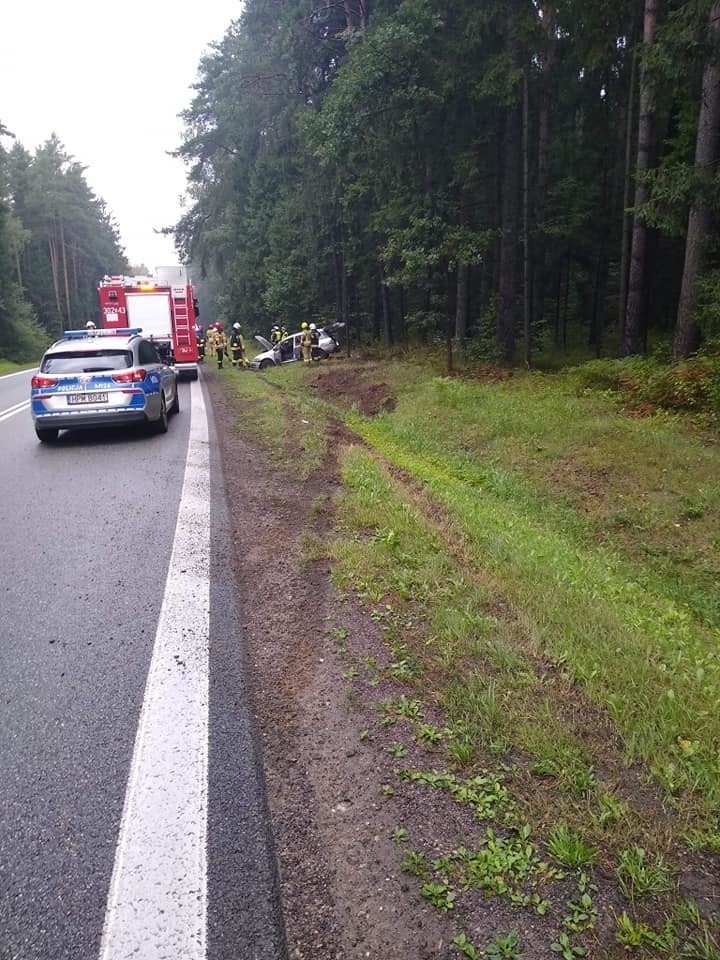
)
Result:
{"points": [[86, 531]]}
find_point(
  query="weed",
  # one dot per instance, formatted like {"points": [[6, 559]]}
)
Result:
{"points": [[567, 950], [484, 793], [397, 750], [400, 835], [634, 933], [363, 735], [466, 947], [570, 849], [612, 810], [582, 913], [429, 735], [387, 790], [416, 864], [340, 636], [638, 877], [440, 895], [701, 946], [505, 948]]}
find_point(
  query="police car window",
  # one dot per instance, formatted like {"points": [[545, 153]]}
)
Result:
{"points": [[147, 353], [86, 361]]}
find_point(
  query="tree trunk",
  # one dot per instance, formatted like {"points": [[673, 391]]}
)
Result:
{"points": [[54, 268], [687, 331], [547, 62], [632, 334], [461, 305], [507, 293], [627, 216], [527, 286], [386, 314], [65, 272]]}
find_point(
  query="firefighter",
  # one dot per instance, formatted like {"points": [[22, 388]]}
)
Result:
{"points": [[306, 342], [237, 347], [315, 335], [221, 344], [275, 334], [200, 337]]}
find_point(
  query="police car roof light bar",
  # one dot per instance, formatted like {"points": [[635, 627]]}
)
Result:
{"points": [[114, 332]]}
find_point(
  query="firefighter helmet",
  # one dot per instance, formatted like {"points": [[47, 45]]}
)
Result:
{"points": [[313, 327], [303, 326], [236, 326]]}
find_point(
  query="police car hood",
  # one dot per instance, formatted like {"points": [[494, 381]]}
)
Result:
{"points": [[263, 341]]}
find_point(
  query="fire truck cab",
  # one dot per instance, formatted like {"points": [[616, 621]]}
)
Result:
{"points": [[162, 306]]}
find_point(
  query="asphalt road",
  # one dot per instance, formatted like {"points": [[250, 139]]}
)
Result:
{"points": [[89, 531]]}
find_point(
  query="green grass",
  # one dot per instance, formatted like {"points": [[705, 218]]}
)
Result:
{"points": [[7, 366], [291, 428], [638, 652]]}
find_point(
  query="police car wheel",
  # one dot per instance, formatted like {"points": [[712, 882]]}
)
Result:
{"points": [[161, 424], [175, 405], [46, 434]]}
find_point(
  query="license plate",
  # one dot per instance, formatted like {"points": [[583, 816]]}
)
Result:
{"points": [[87, 398]]}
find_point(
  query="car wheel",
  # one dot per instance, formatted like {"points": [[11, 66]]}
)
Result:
{"points": [[264, 364], [46, 434], [175, 406], [161, 424], [318, 353]]}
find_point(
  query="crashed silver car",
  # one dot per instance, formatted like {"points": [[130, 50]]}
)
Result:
{"points": [[288, 349]]}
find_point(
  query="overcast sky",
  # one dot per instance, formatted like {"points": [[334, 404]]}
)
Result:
{"points": [[110, 79]]}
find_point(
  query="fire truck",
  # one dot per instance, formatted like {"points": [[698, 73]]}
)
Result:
{"points": [[163, 306]]}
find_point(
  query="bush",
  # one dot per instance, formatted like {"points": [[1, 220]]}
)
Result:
{"points": [[690, 385]]}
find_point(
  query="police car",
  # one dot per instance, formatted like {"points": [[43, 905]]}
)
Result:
{"points": [[102, 378]]}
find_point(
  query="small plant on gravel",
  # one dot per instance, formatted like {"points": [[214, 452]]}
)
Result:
{"points": [[466, 947], [505, 948], [351, 673], [398, 750], [485, 793], [340, 636], [633, 934], [570, 849], [364, 735], [582, 913], [638, 877], [439, 894], [409, 709], [387, 790], [460, 750], [612, 810], [429, 735], [702, 946], [415, 864], [400, 835], [566, 948]]}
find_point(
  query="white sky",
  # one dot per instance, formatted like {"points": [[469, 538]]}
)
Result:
{"points": [[110, 79]]}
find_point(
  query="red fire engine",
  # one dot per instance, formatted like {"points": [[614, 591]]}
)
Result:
{"points": [[163, 306]]}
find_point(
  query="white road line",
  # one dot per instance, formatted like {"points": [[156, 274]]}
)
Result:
{"points": [[11, 411], [157, 905]]}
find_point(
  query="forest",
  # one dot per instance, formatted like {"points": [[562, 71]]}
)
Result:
{"points": [[504, 177], [57, 239]]}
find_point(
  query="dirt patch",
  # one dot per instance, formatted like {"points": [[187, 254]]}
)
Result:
{"points": [[343, 893], [347, 385]]}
